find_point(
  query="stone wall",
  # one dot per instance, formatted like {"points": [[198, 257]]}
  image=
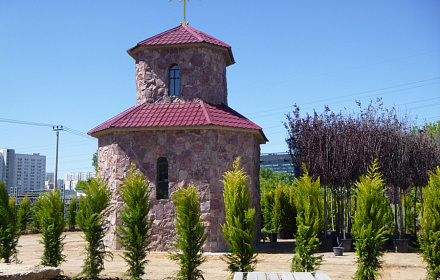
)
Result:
{"points": [[199, 157], [202, 75]]}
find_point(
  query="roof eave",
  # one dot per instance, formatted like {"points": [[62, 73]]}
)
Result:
{"points": [[133, 52], [111, 130]]}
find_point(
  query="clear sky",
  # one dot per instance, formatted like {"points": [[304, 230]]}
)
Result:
{"points": [[65, 62]]}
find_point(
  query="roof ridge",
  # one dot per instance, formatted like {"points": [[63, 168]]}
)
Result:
{"points": [[206, 112], [191, 30], [157, 35]]}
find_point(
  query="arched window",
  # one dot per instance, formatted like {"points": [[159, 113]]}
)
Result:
{"points": [[174, 80], [162, 178]]}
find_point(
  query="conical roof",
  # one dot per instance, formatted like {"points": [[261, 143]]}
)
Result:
{"points": [[181, 35]]}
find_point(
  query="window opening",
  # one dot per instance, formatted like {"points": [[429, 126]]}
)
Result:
{"points": [[174, 80], [162, 178]]}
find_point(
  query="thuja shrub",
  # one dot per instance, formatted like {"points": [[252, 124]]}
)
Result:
{"points": [[284, 210], [134, 230], [240, 228], [371, 222], [91, 218], [35, 223], [71, 214], [309, 221], [23, 214], [50, 216], [267, 201], [190, 234], [430, 224], [9, 229]]}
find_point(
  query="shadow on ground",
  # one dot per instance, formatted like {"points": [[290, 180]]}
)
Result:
{"points": [[282, 246]]}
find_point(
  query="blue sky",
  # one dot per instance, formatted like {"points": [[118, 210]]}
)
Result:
{"points": [[65, 62]]}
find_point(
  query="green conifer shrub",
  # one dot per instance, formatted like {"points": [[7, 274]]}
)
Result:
{"points": [[309, 220], [50, 216], [23, 214], [430, 224], [71, 214], [267, 201], [371, 222], [284, 210], [134, 230], [240, 228], [9, 229], [35, 223], [91, 218], [190, 234]]}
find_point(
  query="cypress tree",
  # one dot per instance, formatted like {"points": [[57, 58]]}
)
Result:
{"points": [[190, 234], [239, 230], [430, 223], [309, 221], [134, 230], [50, 216], [91, 218], [371, 223], [23, 213], [71, 214], [9, 230]]}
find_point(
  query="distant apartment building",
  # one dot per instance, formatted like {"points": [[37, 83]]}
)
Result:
{"points": [[71, 179], [281, 162], [22, 173]]}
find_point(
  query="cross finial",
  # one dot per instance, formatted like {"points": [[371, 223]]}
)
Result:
{"points": [[184, 12]]}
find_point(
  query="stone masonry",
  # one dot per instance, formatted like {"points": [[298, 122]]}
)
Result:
{"points": [[199, 157], [196, 154], [203, 75]]}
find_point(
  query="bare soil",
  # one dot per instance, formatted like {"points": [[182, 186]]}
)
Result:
{"points": [[272, 257]]}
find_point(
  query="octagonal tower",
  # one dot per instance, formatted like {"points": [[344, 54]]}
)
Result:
{"points": [[181, 131]]}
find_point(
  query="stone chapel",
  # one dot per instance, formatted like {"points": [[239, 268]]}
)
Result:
{"points": [[181, 131]]}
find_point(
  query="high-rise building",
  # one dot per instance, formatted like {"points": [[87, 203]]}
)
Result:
{"points": [[71, 179], [22, 173], [281, 162]]}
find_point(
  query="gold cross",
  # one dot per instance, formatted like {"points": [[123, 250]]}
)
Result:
{"points": [[184, 12]]}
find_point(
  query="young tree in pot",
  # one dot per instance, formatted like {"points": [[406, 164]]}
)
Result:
{"points": [[309, 220], [9, 230], [24, 213], [50, 216], [71, 214], [371, 222], [430, 223], [134, 230], [190, 234], [92, 220], [239, 230]]}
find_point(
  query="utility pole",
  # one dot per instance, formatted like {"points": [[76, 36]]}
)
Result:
{"points": [[57, 129]]}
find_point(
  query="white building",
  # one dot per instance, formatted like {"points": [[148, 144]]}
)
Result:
{"points": [[71, 179], [22, 173]]}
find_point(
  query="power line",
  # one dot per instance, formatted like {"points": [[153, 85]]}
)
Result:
{"points": [[65, 128], [354, 94]]}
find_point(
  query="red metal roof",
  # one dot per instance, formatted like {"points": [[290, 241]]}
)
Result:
{"points": [[178, 115], [182, 34]]}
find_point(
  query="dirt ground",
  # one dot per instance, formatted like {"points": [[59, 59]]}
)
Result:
{"points": [[272, 257]]}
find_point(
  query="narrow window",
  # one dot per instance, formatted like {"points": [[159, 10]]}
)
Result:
{"points": [[162, 178], [174, 80]]}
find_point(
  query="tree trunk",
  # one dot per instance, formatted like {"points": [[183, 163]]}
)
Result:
{"points": [[343, 212], [396, 231], [325, 211], [415, 211], [402, 228]]}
